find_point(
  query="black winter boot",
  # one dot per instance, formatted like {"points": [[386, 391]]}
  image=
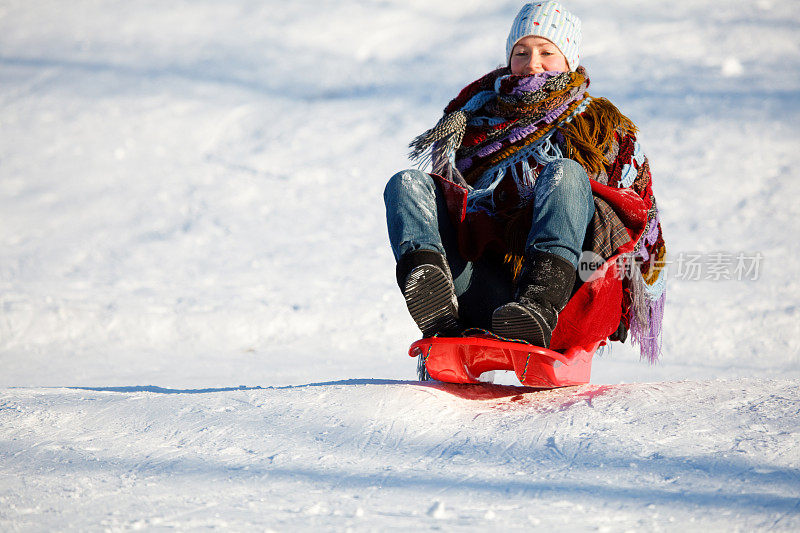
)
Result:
{"points": [[544, 289], [427, 284]]}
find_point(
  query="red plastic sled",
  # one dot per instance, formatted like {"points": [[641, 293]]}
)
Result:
{"points": [[463, 359]]}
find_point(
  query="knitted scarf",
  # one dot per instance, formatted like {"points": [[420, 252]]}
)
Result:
{"points": [[498, 123]]}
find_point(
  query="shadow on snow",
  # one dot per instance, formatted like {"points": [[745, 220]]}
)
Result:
{"points": [[482, 391]]}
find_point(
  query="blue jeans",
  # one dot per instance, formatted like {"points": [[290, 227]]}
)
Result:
{"points": [[417, 218]]}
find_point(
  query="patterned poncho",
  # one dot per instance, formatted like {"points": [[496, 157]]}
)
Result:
{"points": [[486, 153]]}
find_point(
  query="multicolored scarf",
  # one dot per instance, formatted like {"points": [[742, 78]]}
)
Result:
{"points": [[498, 123]]}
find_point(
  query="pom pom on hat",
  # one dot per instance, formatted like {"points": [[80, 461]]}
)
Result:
{"points": [[549, 20]]}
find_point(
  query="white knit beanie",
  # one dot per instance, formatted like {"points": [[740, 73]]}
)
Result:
{"points": [[549, 20]]}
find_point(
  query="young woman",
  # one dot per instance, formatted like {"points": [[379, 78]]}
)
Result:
{"points": [[529, 172]]}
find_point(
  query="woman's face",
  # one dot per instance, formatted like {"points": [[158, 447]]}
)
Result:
{"points": [[534, 54]]}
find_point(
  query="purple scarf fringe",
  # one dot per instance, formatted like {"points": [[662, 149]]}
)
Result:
{"points": [[648, 335]]}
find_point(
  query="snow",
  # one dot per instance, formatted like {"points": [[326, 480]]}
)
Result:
{"points": [[378, 454], [200, 324]]}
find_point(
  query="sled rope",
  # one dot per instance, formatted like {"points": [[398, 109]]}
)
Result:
{"points": [[479, 331], [525, 370], [430, 347]]}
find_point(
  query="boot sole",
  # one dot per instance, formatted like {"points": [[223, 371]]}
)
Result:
{"points": [[515, 322], [431, 300]]}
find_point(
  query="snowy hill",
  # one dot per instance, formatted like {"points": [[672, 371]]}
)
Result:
{"points": [[191, 202], [377, 454]]}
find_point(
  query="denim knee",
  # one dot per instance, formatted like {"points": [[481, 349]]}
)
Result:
{"points": [[565, 177], [409, 183]]}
